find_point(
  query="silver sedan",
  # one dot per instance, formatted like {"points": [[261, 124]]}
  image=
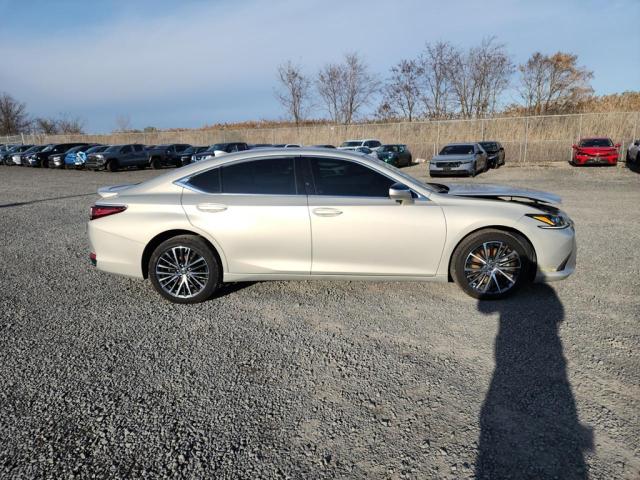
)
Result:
{"points": [[466, 159], [329, 215]]}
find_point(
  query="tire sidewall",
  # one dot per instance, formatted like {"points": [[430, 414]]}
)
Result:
{"points": [[515, 241], [200, 247]]}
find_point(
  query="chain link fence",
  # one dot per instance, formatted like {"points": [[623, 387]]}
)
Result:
{"points": [[527, 140]]}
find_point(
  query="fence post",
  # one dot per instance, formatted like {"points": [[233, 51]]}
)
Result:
{"points": [[482, 123], [526, 140]]}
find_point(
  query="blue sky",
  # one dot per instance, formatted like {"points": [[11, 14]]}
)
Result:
{"points": [[190, 63]]}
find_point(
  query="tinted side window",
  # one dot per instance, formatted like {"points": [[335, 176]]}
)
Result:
{"points": [[208, 181], [126, 149], [138, 148], [372, 144], [273, 176], [348, 179]]}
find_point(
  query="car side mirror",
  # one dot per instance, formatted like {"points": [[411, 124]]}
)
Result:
{"points": [[400, 193], [574, 146], [617, 145]]}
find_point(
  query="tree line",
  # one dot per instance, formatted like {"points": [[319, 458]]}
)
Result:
{"points": [[14, 119], [442, 82]]}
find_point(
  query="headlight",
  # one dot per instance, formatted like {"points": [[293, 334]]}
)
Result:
{"points": [[550, 221]]}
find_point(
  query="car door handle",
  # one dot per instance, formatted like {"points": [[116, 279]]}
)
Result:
{"points": [[327, 212], [211, 207]]}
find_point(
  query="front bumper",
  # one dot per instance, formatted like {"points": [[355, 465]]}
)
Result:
{"points": [[450, 168], [595, 160], [556, 252]]}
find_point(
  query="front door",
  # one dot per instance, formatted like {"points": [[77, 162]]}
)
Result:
{"points": [[358, 230]]}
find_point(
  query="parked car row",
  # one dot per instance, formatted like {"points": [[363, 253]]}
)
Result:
{"points": [[116, 157], [468, 159]]}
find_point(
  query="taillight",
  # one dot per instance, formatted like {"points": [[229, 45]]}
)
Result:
{"points": [[99, 211]]}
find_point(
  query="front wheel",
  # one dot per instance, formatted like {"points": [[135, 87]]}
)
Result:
{"points": [[155, 164], [492, 264], [112, 166], [183, 269]]}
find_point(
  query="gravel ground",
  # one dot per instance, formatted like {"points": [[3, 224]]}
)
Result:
{"points": [[101, 377]]}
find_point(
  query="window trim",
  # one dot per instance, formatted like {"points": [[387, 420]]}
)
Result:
{"points": [[417, 195], [184, 181]]}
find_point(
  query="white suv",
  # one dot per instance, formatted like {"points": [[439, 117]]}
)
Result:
{"points": [[371, 143]]}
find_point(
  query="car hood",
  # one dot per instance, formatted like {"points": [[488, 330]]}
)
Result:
{"points": [[493, 191], [452, 158]]}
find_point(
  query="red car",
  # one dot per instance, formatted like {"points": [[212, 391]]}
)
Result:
{"points": [[595, 151]]}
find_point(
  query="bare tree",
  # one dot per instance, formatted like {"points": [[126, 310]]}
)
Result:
{"points": [[553, 84], [361, 86], [123, 123], [46, 126], [478, 77], [436, 90], [13, 115], [70, 125], [345, 88], [330, 85], [293, 93], [402, 92]]}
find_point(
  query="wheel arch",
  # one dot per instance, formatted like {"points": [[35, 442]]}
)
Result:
{"points": [[503, 228], [166, 235]]}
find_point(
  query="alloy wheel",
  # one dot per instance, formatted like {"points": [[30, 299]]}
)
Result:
{"points": [[492, 268], [182, 272]]}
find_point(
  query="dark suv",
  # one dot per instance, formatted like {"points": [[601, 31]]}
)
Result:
{"points": [[495, 153], [41, 158], [162, 155], [118, 156]]}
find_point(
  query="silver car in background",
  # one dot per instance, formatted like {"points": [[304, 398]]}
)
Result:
{"points": [[303, 214], [467, 159]]}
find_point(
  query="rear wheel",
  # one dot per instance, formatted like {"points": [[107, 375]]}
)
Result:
{"points": [[492, 264], [155, 163], [183, 269]]}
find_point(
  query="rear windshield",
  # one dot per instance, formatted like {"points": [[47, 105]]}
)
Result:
{"points": [[489, 146], [351, 144], [457, 150], [596, 142]]}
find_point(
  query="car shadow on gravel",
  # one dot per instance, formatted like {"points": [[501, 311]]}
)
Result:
{"points": [[529, 426], [31, 202]]}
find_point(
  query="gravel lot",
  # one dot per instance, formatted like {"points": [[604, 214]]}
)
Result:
{"points": [[101, 377]]}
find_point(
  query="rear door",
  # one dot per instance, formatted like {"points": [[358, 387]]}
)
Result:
{"points": [[256, 211], [358, 230]]}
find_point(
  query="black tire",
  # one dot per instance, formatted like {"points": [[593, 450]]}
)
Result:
{"points": [[474, 172], [492, 237], [156, 164], [112, 166], [201, 248]]}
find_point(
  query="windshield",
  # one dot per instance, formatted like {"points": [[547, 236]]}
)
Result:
{"points": [[351, 143], [75, 149], [34, 149], [596, 142], [489, 146], [96, 149], [113, 149], [457, 150], [410, 179], [48, 148]]}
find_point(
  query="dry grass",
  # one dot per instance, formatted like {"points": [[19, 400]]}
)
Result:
{"points": [[526, 139]]}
